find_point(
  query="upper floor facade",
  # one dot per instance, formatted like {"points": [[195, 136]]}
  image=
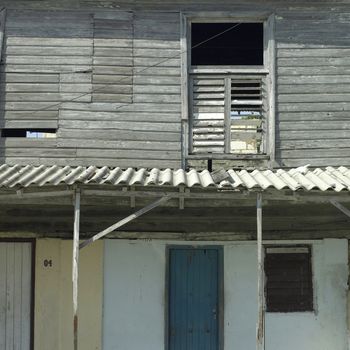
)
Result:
{"points": [[175, 84]]}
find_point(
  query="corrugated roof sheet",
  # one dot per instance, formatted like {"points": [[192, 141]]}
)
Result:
{"points": [[337, 179]]}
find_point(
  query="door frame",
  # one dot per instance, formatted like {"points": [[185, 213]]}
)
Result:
{"points": [[32, 242], [221, 318]]}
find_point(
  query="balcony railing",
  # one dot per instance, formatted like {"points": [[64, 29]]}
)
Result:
{"points": [[227, 113]]}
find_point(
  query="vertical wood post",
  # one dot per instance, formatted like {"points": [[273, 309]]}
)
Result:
{"points": [[227, 115], [75, 269], [260, 329], [2, 30]]}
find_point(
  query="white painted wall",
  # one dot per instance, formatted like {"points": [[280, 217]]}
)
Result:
{"points": [[134, 289], [53, 296]]}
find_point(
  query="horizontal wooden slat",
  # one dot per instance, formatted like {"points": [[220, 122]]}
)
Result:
{"points": [[208, 130], [208, 123]]}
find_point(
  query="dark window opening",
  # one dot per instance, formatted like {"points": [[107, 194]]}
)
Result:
{"points": [[29, 133], [238, 44], [288, 280]]}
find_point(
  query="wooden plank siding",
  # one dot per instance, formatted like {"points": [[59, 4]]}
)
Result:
{"points": [[78, 71], [312, 100], [110, 81]]}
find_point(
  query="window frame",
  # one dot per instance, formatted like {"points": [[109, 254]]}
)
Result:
{"points": [[292, 249], [268, 68]]}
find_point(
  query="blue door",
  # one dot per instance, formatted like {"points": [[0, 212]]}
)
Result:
{"points": [[193, 299]]}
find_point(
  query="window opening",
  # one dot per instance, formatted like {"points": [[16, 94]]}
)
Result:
{"points": [[246, 116], [228, 108], [239, 44], [288, 279]]}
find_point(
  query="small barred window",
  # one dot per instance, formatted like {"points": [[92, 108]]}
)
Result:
{"points": [[288, 273]]}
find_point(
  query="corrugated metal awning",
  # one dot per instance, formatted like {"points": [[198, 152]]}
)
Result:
{"points": [[336, 179]]}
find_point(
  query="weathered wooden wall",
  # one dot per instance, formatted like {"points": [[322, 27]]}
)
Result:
{"points": [[122, 70], [88, 75]]}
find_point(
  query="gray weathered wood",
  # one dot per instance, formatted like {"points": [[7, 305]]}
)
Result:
{"points": [[260, 329], [75, 264], [270, 54], [184, 46], [125, 221], [341, 207], [2, 31], [15, 295]]}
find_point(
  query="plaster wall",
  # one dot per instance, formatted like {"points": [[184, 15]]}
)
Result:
{"points": [[53, 296], [134, 299]]}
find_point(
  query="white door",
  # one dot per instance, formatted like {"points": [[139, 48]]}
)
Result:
{"points": [[15, 295]]}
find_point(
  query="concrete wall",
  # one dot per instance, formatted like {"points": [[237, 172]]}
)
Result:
{"points": [[134, 290], [53, 296]]}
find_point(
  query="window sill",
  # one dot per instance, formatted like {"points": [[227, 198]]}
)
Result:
{"points": [[229, 156], [228, 70]]}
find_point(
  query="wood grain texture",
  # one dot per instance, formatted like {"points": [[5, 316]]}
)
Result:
{"points": [[15, 295], [122, 67]]}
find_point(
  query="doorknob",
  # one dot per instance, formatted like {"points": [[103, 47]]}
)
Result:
{"points": [[214, 313]]}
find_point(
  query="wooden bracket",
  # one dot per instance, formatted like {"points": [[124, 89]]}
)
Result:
{"points": [[181, 198], [132, 197], [341, 207], [124, 221]]}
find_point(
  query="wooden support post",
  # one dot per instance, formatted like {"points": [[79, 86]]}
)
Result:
{"points": [[260, 329], [76, 266], [124, 221], [341, 207]]}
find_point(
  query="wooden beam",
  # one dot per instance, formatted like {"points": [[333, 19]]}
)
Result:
{"points": [[124, 221], [29, 195], [341, 207], [75, 270], [235, 194], [260, 329]]}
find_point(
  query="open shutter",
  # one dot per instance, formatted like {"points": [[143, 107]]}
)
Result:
{"points": [[227, 113], [208, 115]]}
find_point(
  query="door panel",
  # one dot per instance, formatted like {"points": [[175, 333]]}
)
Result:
{"points": [[193, 299], [15, 295]]}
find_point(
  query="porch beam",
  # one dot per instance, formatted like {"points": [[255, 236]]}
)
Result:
{"points": [[341, 207], [20, 194], [260, 329], [75, 266], [223, 195], [124, 221]]}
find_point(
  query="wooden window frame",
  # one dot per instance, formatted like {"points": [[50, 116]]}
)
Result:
{"points": [[292, 249], [269, 68]]}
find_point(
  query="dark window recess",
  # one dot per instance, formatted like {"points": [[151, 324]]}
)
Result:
{"points": [[288, 280], [29, 133], [239, 44]]}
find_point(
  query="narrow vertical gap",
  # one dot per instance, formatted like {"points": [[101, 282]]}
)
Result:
{"points": [[210, 165]]}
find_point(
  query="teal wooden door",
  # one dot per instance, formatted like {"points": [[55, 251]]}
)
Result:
{"points": [[193, 299]]}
